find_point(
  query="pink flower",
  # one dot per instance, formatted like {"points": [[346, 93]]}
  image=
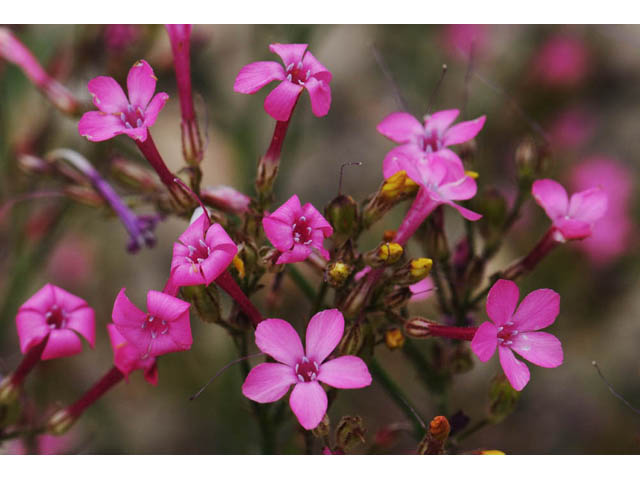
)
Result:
{"points": [[459, 39], [268, 382], [422, 290], [301, 71], [164, 329], [201, 253], [127, 358], [421, 142], [572, 219], [118, 114], [225, 198], [563, 61], [119, 37], [518, 332], [296, 230], [572, 128], [61, 316]]}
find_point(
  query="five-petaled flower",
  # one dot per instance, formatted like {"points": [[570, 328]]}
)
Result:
{"points": [[164, 329], [296, 230], [60, 315], [573, 218], [301, 71], [118, 114], [269, 382], [517, 331], [127, 358], [201, 254], [433, 138]]}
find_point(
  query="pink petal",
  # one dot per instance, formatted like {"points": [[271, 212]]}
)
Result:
{"points": [[316, 69], [42, 300], [254, 76], [137, 134], [153, 109], [280, 102], [463, 131], [82, 320], [68, 301], [126, 313], [268, 382], [551, 196], [32, 328], [289, 211], [455, 168], [316, 220], [61, 343], [151, 372], [572, 229], [540, 348], [107, 95], [516, 371], [165, 306], [309, 404], [465, 212], [279, 233], [502, 301], [324, 332], [98, 126], [141, 84], [320, 94], [278, 339], [161, 345], [183, 273], [588, 206], [345, 372], [195, 231], [440, 121], [218, 238], [538, 310], [485, 341], [401, 127], [297, 254], [289, 52], [464, 189], [404, 157]]}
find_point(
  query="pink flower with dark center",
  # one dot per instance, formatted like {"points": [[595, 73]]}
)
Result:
{"points": [[297, 230], [512, 330], [573, 218], [421, 142], [164, 329], [201, 253], [269, 382], [127, 358], [61, 316], [301, 71], [118, 114]]}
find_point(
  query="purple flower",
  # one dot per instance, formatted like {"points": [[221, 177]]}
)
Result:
{"points": [[301, 71]]}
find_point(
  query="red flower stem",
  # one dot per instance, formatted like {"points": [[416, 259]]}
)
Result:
{"points": [[275, 147], [102, 386], [420, 209], [29, 361], [528, 263], [229, 285], [457, 333], [151, 153]]}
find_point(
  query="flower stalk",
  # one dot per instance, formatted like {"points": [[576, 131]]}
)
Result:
{"points": [[229, 285]]}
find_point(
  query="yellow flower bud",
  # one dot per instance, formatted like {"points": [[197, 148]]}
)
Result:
{"points": [[397, 184], [394, 338], [390, 253], [492, 452], [337, 273], [239, 265], [471, 173], [420, 268]]}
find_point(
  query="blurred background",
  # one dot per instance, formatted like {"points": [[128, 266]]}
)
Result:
{"points": [[575, 86]]}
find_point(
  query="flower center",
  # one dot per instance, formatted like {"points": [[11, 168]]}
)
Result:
{"points": [[155, 326], [133, 117], [307, 370], [198, 253], [56, 317], [302, 231], [506, 334], [429, 141], [297, 73]]}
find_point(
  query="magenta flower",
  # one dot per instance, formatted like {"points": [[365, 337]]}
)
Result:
{"points": [[127, 358], [518, 332], [421, 142], [118, 114], [460, 39], [573, 218], [61, 316], [301, 71], [201, 254], [269, 382], [164, 329], [563, 61], [296, 230]]}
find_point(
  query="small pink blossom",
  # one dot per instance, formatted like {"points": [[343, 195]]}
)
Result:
{"points": [[573, 218], [421, 142], [61, 316], [512, 330], [301, 71], [127, 358], [201, 254], [118, 114], [297, 230], [269, 382], [226, 198], [164, 329], [563, 61]]}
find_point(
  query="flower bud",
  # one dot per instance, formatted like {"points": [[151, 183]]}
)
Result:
{"points": [[8, 391], [225, 198], [60, 422], [418, 327], [398, 184], [393, 190], [389, 235], [85, 195], [416, 270], [531, 160], [492, 452], [205, 301], [503, 399], [135, 176], [494, 210], [350, 432], [30, 164], [385, 254], [352, 340], [342, 214], [337, 273], [394, 338], [238, 264], [322, 430], [461, 360], [433, 442], [398, 298]]}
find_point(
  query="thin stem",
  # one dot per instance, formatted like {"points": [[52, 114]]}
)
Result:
{"points": [[221, 371], [302, 283], [455, 333], [229, 285], [613, 392], [102, 386], [29, 361], [151, 153]]}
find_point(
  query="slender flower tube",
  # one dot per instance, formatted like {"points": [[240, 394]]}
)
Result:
{"points": [[192, 147], [140, 227], [15, 52]]}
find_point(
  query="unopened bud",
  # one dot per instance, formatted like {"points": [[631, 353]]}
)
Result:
{"points": [[433, 442], [85, 195], [205, 301], [492, 452], [398, 184], [342, 214], [385, 254], [337, 273], [322, 430], [135, 176], [8, 391], [503, 399], [225, 198], [472, 173], [239, 266], [32, 165], [60, 422], [350, 433], [531, 160], [418, 327], [394, 338], [389, 235], [396, 188], [398, 298], [413, 272], [352, 340]]}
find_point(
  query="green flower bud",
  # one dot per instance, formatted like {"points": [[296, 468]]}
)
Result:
{"points": [[503, 399], [350, 433]]}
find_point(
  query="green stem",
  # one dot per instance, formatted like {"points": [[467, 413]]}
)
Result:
{"points": [[302, 283], [473, 429]]}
